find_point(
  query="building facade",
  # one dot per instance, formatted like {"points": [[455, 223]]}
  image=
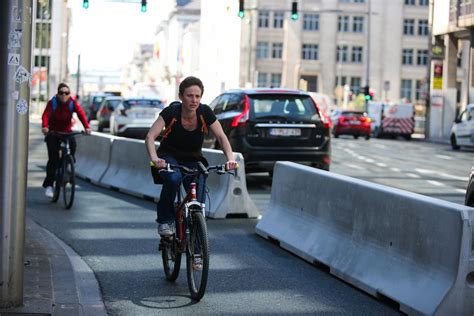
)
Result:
{"points": [[452, 68], [50, 51]]}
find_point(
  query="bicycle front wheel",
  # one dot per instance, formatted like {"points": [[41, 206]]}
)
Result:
{"points": [[69, 183], [57, 183], [197, 256]]}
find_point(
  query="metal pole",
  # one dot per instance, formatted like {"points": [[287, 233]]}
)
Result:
{"points": [[39, 36], [428, 70], [16, 17], [367, 55], [78, 74]]}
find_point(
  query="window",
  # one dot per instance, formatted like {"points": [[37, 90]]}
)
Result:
{"points": [[278, 18], [355, 85], [43, 35], [262, 50], [341, 55], [423, 2], [407, 57], [409, 2], [311, 22], [358, 24], [422, 57], [419, 93], [262, 79], [459, 63], [43, 12], [341, 81], [343, 24], [423, 27], [405, 91], [359, 1], [408, 27], [44, 61], [277, 50], [275, 80], [263, 18], [356, 54], [310, 52]]}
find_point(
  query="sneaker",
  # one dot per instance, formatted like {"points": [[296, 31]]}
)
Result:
{"points": [[165, 229], [49, 192], [197, 263]]}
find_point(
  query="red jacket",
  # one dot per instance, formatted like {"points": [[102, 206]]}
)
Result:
{"points": [[61, 119]]}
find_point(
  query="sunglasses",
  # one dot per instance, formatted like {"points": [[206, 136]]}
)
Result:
{"points": [[64, 92]]}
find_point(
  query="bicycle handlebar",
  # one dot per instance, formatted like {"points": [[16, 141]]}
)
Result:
{"points": [[65, 134], [219, 169]]}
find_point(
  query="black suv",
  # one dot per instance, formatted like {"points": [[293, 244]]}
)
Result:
{"points": [[267, 125]]}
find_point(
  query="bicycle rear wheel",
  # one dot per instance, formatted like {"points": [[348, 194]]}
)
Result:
{"points": [[171, 258], [197, 257], [69, 183]]}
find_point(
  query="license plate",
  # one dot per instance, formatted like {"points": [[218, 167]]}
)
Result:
{"points": [[354, 122], [285, 132]]}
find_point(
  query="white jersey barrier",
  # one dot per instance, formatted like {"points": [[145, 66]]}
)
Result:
{"points": [[128, 170], [92, 156], [413, 249]]}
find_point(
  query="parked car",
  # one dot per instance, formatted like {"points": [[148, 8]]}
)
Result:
{"points": [[469, 201], [94, 100], [462, 132], [267, 125], [106, 108], [355, 123], [133, 117]]}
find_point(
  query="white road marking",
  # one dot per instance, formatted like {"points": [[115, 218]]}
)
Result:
{"points": [[435, 183], [395, 169], [444, 157], [381, 164], [461, 191], [413, 175], [369, 160], [355, 166]]}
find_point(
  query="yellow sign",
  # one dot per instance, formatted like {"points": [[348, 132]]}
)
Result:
{"points": [[438, 83]]}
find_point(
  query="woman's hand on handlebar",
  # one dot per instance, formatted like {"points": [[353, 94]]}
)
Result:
{"points": [[45, 130], [231, 165], [159, 163], [88, 131]]}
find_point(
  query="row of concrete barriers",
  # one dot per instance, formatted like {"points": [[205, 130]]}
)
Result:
{"points": [[414, 250], [123, 164]]}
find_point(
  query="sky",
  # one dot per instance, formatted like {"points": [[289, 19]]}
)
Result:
{"points": [[106, 33]]}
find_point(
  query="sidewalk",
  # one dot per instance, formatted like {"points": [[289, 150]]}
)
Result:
{"points": [[56, 280]]}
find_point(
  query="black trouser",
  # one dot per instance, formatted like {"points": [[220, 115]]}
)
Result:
{"points": [[53, 143]]}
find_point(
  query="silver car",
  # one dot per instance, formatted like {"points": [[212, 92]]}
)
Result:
{"points": [[133, 117]]}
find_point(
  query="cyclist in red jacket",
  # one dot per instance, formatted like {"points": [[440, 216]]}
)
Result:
{"points": [[57, 117]]}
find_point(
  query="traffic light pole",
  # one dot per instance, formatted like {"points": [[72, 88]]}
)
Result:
{"points": [[367, 55], [16, 21]]}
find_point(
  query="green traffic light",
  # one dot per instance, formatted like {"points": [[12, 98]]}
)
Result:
{"points": [[367, 98], [143, 8], [294, 16], [85, 4], [241, 14]]}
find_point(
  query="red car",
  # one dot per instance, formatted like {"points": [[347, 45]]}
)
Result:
{"points": [[355, 123]]}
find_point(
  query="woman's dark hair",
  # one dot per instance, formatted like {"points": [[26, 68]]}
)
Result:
{"points": [[63, 85], [190, 81]]}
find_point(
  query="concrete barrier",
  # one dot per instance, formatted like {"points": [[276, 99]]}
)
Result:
{"points": [[129, 169], [92, 156], [124, 165], [415, 250]]}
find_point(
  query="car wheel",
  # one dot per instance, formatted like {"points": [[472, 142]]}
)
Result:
{"points": [[336, 135], [367, 137], [454, 144], [356, 136]]}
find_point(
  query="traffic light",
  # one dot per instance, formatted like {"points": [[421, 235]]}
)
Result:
{"points": [[85, 4], [294, 10], [368, 93], [241, 9], [143, 6]]}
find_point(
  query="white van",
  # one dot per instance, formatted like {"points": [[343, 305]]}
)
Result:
{"points": [[462, 132], [392, 119]]}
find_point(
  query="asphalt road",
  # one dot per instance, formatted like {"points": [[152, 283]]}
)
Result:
{"points": [[116, 235]]}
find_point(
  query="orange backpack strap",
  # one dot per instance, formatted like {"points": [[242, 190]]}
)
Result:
{"points": [[168, 128], [204, 126]]}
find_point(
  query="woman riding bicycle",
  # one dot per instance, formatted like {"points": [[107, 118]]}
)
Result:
{"points": [[57, 117], [185, 124]]}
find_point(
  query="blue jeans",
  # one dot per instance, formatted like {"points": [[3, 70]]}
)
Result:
{"points": [[171, 184]]}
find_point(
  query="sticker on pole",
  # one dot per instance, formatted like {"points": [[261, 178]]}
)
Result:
{"points": [[16, 14], [14, 59], [14, 39], [15, 95], [22, 107], [22, 75]]}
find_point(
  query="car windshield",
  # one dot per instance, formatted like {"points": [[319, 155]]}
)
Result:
{"points": [[113, 103], [353, 113], [144, 103], [97, 100], [283, 105]]}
